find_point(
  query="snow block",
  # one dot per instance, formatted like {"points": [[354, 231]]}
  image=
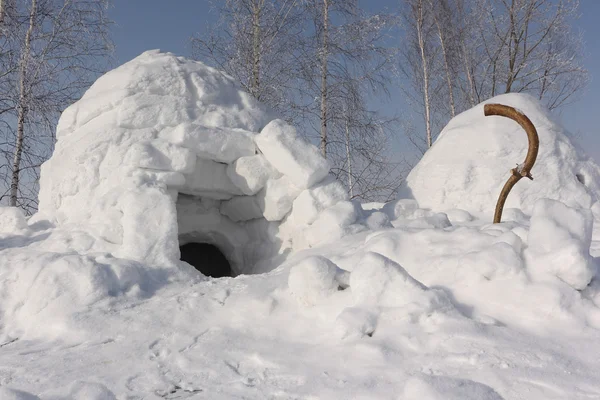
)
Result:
{"points": [[210, 177], [334, 222], [276, 198], [241, 208], [161, 155], [378, 220], [559, 243], [312, 280], [403, 208], [251, 173], [311, 202], [212, 143], [290, 155]]}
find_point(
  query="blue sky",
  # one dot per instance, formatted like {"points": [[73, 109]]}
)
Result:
{"points": [[167, 25]]}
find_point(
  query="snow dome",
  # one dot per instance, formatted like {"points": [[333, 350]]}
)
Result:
{"points": [[471, 159], [164, 151]]}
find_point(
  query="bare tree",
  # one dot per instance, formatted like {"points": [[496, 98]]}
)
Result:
{"points": [[254, 42], [344, 62], [458, 53], [52, 52], [301, 57], [529, 47], [421, 56]]}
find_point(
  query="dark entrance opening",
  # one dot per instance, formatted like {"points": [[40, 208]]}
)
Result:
{"points": [[206, 258]]}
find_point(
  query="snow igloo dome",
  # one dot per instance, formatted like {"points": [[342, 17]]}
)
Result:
{"points": [[163, 152]]}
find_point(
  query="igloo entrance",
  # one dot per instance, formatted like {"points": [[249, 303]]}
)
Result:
{"points": [[206, 258]]}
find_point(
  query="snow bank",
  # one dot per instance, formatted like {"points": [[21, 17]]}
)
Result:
{"points": [[42, 292], [559, 243], [161, 132], [471, 159]]}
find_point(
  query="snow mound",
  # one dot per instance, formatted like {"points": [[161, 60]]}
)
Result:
{"points": [[313, 279], [12, 220], [164, 151], [559, 243], [471, 159]]}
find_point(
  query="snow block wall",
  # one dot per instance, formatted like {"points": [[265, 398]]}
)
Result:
{"points": [[471, 159], [163, 151]]}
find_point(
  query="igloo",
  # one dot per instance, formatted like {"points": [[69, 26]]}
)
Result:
{"points": [[163, 151], [470, 161]]}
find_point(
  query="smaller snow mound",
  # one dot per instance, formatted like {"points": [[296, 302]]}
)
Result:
{"points": [[313, 279], [355, 323], [378, 281], [559, 243], [12, 220], [471, 159], [41, 292]]}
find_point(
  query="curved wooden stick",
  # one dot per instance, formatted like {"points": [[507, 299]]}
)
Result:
{"points": [[523, 170]]}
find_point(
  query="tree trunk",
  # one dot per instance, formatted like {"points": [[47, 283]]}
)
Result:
{"points": [[469, 74], [421, 39], [324, 56], [22, 108], [349, 159], [513, 50], [2, 12], [255, 84], [446, 66]]}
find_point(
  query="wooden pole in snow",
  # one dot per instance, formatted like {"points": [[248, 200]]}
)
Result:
{"points": [[522, 170]]}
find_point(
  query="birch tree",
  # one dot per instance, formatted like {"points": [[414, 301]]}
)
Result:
{"points": [[530, 48], [54, 50], [343, 63], [420, 57], [254, 42], [300, 57], [458, 53]]}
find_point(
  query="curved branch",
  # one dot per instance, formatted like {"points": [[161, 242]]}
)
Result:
{"points": [[523, 170]]}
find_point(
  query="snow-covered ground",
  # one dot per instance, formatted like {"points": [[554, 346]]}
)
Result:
{"points": [[391, 301]]}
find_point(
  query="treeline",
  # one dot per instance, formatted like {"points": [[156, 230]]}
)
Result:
{"points": [[322, 62], [325, 65], [458, 53], [50, 53]]}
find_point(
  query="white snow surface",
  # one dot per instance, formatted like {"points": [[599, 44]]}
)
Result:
{"points": [[373, 302], [474, 154]]}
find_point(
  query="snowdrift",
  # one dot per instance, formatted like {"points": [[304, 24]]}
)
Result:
{"points": [[471, 158], [165, 151], [391, 301]]}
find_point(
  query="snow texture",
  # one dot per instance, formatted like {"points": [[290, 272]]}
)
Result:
{"points": [[161, 127], [398, 301], [474, 154], [559, 243]]}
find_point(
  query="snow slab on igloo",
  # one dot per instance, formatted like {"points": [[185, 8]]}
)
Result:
{"points": [[164, 151], [471, 160]]}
